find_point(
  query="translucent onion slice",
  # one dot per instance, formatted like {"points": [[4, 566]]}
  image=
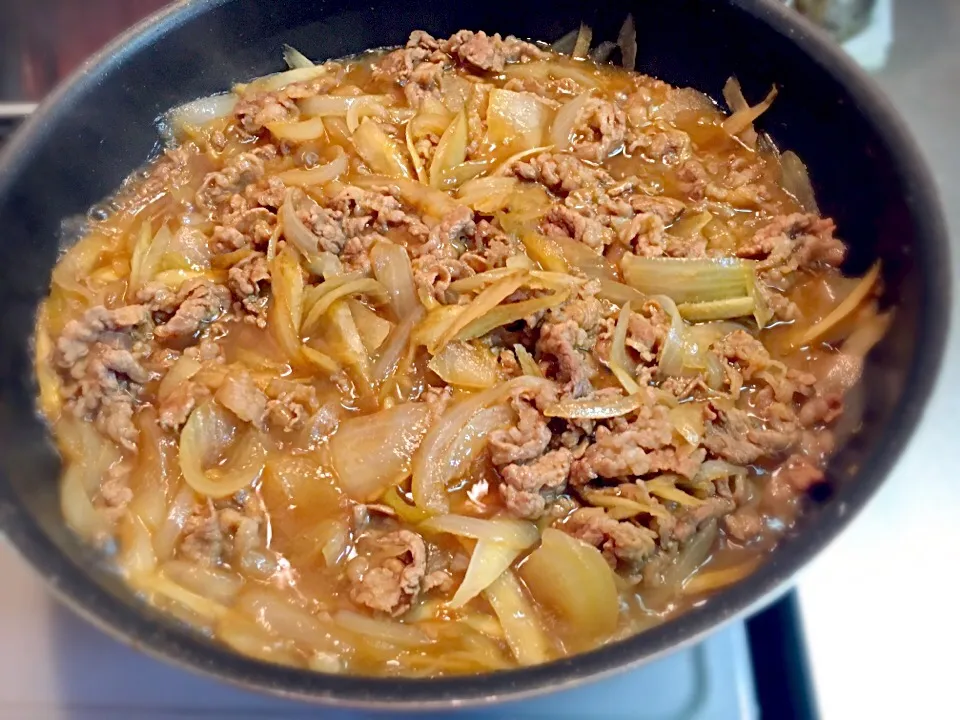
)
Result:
{"points": [[316, 176], [374, 330], [466, 365], [717, 309], [544, 251], [202, 111], [450, 151], [664, 488], [418, 168], [379, 151], [511, 312], [627, 40], [620, 363], [372, 452], [515, 119], [618, 293], [553, 70], [365, 286], [743, 119], [395, 346], [342, 105], [522, 627], [589, 262], [242, 470], [472, 440], [517, 534], [430, 464], [687, 419], [391, 631], [581, 47], [286, 309], [689, 280], [278, 81], [561, 132], [298, 132], [796, 180], [391, 266], [598, 409], [295, 59], [850, 303], [489, 561], [481, 280], [584, 593], [488, 299], [488, 195], [527, 363]]}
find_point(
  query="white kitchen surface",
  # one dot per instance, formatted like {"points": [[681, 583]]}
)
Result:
{"points": [[880, 605]]}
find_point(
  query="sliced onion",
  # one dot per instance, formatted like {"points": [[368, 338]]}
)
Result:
{"points": [[472, 440], [180, 372], [374, 330], [219, 585], [391, 266], [481, 305], [481, 280], [148, 254], [517, 534], [665, 489], [298, 132], [544, 251], [466, 365], [581, 47], [316, 176], [372, 452], [278, 81], [743, 119], [395, 346], [450, 151], [390, 631], [430, 461], [687, 419], [489, 561], [488, 195], [522, 627], [598, 409], [380, 151], [561, 132], [363, 286], [296, 59], [343, 105], [849, 304], [243, 469], [796, 180], [687, 280], [345, 343], [526, 361], [627, 40], [589, 262], [511, 312], [717, 309], [294, 229], [418, 167], [618, 293], [515, 119], [553, 69], [620, 363], [571, 577], [203, 110], [286, 309]]}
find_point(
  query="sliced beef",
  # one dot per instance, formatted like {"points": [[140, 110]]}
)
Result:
{"points": [[243, 398], [221, 191], [567, 222], [489, 52], [256, 109], [528, 487], [290, 404], [645, 445], [101, 364], [223, 531], [393, 574], [251, 227], [799, 241], [528, 438], [195, 304], [599, 130], [489, 247], [248, 281], [562, 173], [568, 334], [433, 274], [622, 542], [741, 438]]}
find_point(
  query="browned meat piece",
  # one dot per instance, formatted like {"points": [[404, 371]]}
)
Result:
{"points": [[692, 520], [489, 52], [561, 173], [197, 303], [635, 449], [243, 398], [562, 220], [248, 280], [661, 144], [754, 363], [525, 441], [115, 494], [450, 235], [177, 406], [742, 438], [568, 334], [599, 130], [219, 188], [437, 399], [248, 227], [526, 489], [417, 67], [391, 577], [291, 404], [644, 234], [433, 274], [490, 247], [102, 375], [621, 542], [326, 225], [222, 531], [794, 242], [744, 525], [256, 109], [788, 483]]}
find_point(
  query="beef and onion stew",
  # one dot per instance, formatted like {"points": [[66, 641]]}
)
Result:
{"points": [[444, 360]]}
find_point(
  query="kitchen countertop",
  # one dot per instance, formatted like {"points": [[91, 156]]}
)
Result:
{"points": [[880, 603]]}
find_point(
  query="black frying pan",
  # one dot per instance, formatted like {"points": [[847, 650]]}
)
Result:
{"points": [[99, 126]]}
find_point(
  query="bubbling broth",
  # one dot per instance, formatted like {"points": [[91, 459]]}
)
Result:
{"points": [[449, 359]]}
